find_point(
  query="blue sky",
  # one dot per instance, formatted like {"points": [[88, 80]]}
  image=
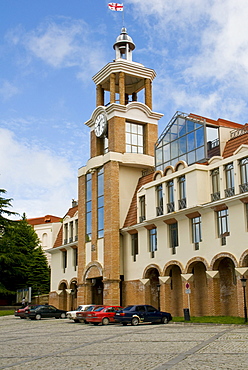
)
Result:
{"points": [[49, 51]]}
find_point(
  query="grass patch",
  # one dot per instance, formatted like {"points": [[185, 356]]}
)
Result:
{"points": [[213, 320], [7, 312]]}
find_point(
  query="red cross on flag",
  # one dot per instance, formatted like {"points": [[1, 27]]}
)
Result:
{"points": [[116, 7]]}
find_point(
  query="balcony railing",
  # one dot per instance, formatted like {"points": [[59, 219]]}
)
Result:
{"points": [[182, 203], [243, 188], [229, 192], [70, 239], [170, 207], [160, 210], [215, 196], [142, 218], [65, 241], [76, 238]]}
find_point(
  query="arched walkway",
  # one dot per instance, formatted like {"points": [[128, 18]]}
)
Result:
{"points": [[173, 291], [153, 295], [199, 289], [63, 296]]}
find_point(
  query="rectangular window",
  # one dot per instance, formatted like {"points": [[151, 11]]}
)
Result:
{"points": [[76, 230], [71, 232], [244, 175], [173, 234], [170, 195], [142, 208], [75, 258], [100, 203], [223, 225], [64, 260], [215, 184], [246, 215], [159, 193], [229, 191], [196, 231], [65, 233], [182, 193], [134, 241], [88, 206], [134, 138], [152, 241]]}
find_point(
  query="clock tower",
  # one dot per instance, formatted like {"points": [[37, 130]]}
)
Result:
{"points": [[123, 131]]}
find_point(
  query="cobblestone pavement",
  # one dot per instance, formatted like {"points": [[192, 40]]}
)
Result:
{"points": [[63, 344]]}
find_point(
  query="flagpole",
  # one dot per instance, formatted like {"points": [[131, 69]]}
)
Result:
{"points": [[123, 17]]}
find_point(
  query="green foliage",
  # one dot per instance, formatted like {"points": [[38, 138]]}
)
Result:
{"points": [[6, 312], [22, 261], [212, 320], [4, 205]]}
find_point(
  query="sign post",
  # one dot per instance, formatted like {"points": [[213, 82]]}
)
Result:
{"points": [[188, 291]]}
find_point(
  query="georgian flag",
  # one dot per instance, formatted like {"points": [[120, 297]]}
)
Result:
{"points": [[116, 7]]}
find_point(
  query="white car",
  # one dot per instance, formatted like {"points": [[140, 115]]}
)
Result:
{"points": [[72, 314]]}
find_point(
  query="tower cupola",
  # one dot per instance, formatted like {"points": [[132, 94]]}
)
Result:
{"points": [[124, 46]]}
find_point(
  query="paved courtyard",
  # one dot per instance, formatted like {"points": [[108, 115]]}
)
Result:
{"points": [[63, 344]]}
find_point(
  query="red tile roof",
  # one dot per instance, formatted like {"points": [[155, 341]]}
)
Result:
{"points": [[233, 144], [43, 220], [220, 121], [131, 218], [59, 240]]}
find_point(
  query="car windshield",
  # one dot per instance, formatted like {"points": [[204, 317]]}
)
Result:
{"points": [[128, 308], [89, 308], [98, 309]]}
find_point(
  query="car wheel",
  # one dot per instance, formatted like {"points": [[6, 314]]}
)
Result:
{"points": [[75, 320], [164, 320], [105, 321], [135, 321], [124, 323], [63, 316], [38, 316]]}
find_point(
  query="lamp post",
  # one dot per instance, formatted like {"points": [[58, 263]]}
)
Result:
{"points": [[158, 288], [243, 282]]}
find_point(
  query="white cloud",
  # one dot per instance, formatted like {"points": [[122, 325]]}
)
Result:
{"points": [[61, 43], [7, 90], [39, 181]]}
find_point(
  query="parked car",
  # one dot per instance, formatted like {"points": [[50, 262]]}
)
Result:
{"points": [[72, 314], [82, 315], [103, 315], [141, 313], [20, 312], [44, 311]]}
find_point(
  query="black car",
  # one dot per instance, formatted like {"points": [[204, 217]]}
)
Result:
{"points": [[141, 313], [45, 311]]}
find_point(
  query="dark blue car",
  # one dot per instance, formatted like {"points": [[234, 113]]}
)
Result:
{"points": [[141, 313]]}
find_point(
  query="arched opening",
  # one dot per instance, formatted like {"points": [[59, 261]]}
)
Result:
{"points": [[199, 291], [96, 290], [63, 296], [153, 294], [174, 297], [227, 287], [73, 295]]}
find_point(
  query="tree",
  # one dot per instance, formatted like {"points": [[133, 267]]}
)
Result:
{"points": [[22, 261], [4, 204]]}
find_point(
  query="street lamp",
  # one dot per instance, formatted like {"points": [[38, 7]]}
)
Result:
{"points": [[158, 288], [243, 282]]}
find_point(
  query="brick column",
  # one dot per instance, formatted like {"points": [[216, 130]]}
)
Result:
{"points": [[94, 217], [148, 92], [81, 236], [112, 88], [122, 87], [111, 234], [99, 95]]}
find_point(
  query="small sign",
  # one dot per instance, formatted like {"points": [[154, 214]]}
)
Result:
{"points": [[187, 291], [187, 286]]}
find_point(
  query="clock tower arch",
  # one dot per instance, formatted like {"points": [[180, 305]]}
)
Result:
{"points": [[123, 132]]}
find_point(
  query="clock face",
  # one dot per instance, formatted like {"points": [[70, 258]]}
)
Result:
{"points": [[100, 125]]}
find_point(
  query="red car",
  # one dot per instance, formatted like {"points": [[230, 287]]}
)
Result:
{"points": [[20, 312], [103, 315], [82, 315]]}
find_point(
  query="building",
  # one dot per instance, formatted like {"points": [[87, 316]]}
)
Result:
{"points": [[46, 228], [163, 220], [64, 257]]}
